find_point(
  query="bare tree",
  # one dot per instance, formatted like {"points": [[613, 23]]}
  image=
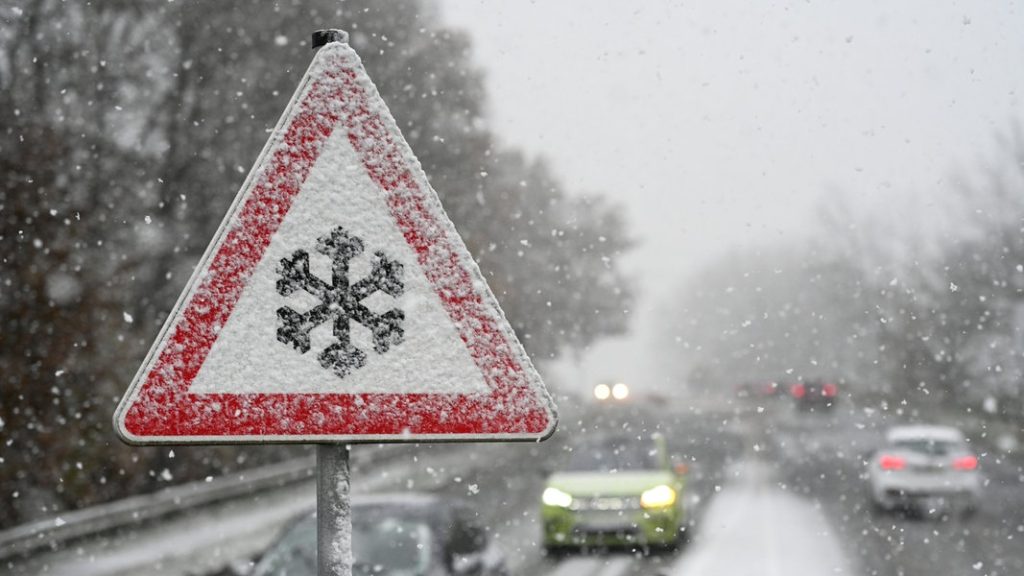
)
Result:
{"points": [[126, 129]]}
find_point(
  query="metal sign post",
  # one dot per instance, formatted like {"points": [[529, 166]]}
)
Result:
{"points": [[333, 511], [333, 476]]}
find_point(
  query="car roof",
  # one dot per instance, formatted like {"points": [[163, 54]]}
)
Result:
{"points": [[404, 499], [426, 505], [924, 432], [410, 504]]}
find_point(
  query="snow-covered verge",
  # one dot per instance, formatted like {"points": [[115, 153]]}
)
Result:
{"points": [[753, 528], [208, 537], [52, 531]]}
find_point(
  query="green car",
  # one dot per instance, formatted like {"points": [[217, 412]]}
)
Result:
{"points": [[616, 492]]}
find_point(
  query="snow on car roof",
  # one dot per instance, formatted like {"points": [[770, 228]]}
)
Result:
{"points": [[924, 432]]}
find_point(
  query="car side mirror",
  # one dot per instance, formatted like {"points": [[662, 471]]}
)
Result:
{"points": [[465, 540]]}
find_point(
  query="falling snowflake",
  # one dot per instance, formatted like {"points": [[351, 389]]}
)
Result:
{"points": [[340, 301]]}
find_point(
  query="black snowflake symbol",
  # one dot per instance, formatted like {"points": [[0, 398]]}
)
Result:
{"points": [[340, 301]]}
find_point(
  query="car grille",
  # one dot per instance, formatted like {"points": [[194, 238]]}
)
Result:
{"points": [[606, 503]]}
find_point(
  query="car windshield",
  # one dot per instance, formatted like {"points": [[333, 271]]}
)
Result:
{"points": [[294, 554], [382, 543], [928, 446], [613, 458], [391, 545]]}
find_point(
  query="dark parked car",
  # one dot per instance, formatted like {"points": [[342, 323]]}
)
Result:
{"points": [[395, 535], [815, 395]]}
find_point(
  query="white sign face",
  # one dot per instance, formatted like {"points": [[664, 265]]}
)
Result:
{"points": [[247, 358], [337, 302]]}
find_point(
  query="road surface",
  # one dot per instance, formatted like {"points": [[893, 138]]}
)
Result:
{"points": [[774, 491]]}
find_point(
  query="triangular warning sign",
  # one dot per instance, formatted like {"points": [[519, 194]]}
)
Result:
{"points": [[336, 303]]}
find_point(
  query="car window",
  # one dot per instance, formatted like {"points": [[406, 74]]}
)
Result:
{"points": [[929, 447], [294, 554], [391, 545]]}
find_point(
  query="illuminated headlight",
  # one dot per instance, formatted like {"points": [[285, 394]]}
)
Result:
{"points": [[658, 497], [620, 391], [555, 497]]}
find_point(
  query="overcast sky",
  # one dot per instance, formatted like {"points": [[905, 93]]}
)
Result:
{"points": [[723, 123]]}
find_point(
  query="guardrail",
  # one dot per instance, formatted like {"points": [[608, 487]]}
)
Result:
{"points": [[51, 531]]}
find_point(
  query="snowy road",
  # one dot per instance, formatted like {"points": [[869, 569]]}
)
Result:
{"points": [[818, 457], [506, 479], [781, 493], [753, 528]]}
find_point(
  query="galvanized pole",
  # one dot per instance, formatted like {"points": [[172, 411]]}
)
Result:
{"points": [[333, 483], [333, 511]]}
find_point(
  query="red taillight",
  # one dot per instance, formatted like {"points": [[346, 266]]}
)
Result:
{"points": [[966, 463], [797, 390], [887, 462], [829, 390]]}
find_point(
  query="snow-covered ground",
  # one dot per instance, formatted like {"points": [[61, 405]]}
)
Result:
{"points": [[754, 528]]}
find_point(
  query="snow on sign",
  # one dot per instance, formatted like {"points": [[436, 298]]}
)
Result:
{"points": [[336, 303]]}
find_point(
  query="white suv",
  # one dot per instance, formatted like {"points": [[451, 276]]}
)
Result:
{"points": [[925, 468]]}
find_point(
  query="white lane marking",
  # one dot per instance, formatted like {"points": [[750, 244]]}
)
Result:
{"points": [[754, 528], [769, 531]]}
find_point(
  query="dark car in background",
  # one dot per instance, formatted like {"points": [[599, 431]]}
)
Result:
{"points": [[815, 395], [395, 535]]}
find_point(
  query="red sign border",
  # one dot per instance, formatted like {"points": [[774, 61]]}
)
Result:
{"points": [[159, 409]]}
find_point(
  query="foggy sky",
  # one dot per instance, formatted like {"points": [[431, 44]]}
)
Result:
{"points": [[722, 124]]}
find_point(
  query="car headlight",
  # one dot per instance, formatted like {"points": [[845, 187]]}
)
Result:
{"points": [[620, 391], [555, 497], [660, 496]]}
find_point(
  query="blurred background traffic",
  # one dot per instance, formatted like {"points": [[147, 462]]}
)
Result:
{"points": [[769, 259]]}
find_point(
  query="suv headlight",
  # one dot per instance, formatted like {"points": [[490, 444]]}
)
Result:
{"points": [[555, 497], [661, 496]]}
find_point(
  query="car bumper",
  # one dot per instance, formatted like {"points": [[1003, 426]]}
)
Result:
{"points": [[565, 528], [892, 490]]}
